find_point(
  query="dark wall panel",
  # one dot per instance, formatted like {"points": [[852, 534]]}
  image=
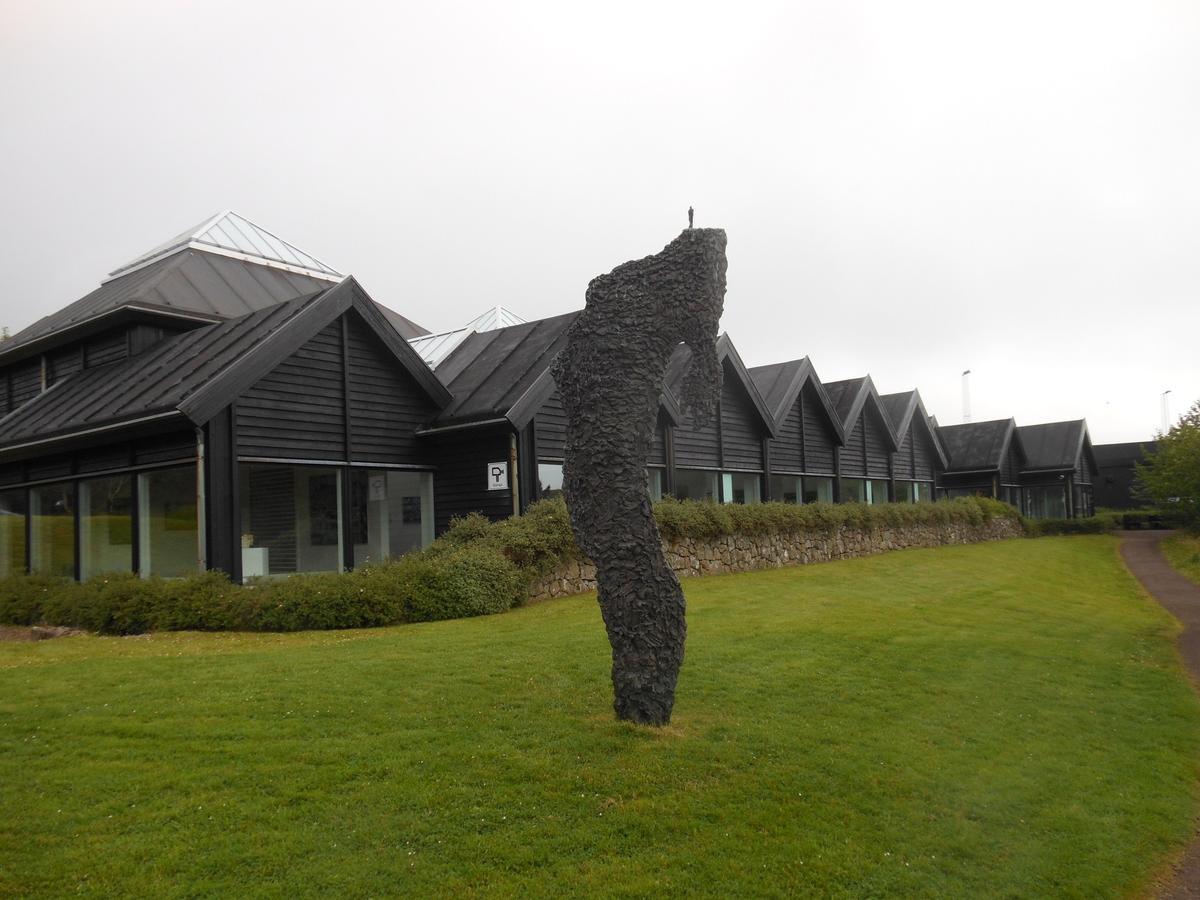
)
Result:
{"points": [[820, 439], [787, 449], [854, 453], [63, 363], [903, 466], [298, 410], [387, 405], [107, 456], [742, 430], [658, 444], [924, 454], [1010, 469], [178, 446], [551, 428], [697, 448], [876, 449], [26, 381], [49, 467], [460, 482], [109, 347]]}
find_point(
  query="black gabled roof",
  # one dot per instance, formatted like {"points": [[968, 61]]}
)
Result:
{"points": [[780, 384], [492, 373], [680, 362], [191, 376], [905, 408], [191, 285], [1055, 446], [977, 446], [850, 396]]}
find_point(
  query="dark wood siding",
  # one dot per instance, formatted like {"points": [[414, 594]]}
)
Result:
{"points": [[460, 483], [697, 448], [742, 430], [386, 403], [658, 443], [1083, 473], [109, 456], [26, 381], [820, 440], [63, 363], [875, 442], [550, 426], [787, 450], [178, 446], [49, 467], [1010, 469], [109, 347], [924, 453], [904, 464], [854, 453], [298, 410]]}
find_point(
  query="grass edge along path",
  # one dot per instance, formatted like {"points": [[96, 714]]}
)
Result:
{"points": [[1008, 718], [1182, 551]]}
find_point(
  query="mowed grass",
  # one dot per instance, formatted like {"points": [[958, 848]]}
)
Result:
{"points": [[1183, 552], [1007, 719]]}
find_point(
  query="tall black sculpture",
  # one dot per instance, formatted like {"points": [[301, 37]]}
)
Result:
{"points": [[610, 377]]}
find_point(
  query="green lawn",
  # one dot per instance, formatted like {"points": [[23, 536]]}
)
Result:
{"points": [[1183, 552], [1005, 719]]}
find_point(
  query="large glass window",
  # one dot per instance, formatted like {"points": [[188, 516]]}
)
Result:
{"points": [[654, 482], [106, 525], [923, 491], [854, 490], [694, 484], [291, 519], [741, 487], [906, 491], [818, 489], [1046, 502], [787, 489], [12, 532], [877, 491], [168, 527], [391, 513], [550, 477], [52, 508]]}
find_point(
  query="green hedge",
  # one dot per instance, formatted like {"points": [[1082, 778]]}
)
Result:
{"points": [[477, 568], [1098, 524]]}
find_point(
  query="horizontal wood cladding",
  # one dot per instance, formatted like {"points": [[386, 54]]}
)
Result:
{"points": [[787, 450], [742, 430], [25, 382], [1083, 472], [63, 363], [460, 483], [697, 448], [386, 403], [108, 347], [177, 446], [657, 455], [820, 439], [108, 456], [876, 448], [297, 411], [1010, 468], [550, 427], [903, 465], [854, 453], [46, 467], [924, 459]]}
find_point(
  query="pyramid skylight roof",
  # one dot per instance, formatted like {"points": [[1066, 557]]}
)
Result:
{"points": [[230, 234]]}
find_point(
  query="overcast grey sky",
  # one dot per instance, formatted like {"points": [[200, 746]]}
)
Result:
{"points": [[910, 189]]}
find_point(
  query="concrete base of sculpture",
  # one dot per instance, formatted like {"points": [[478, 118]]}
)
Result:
{"points": [[610, 377]]}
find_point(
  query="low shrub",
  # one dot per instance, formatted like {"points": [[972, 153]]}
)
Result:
{"points": [[476, 568], [1102, 524]]}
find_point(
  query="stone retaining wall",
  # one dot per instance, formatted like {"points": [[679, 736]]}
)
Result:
{"points": [[742, 553]]}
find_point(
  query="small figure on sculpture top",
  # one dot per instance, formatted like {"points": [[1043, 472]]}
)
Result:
{"points": [[691, 216]]}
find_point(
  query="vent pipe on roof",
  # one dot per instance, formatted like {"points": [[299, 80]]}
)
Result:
{"points": [[966, 386]]}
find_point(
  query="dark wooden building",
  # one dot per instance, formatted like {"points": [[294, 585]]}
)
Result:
{"points": [[864, 461], [984, 459], [1059, 471], [919, 461], [802, 458], [1115, 473]]}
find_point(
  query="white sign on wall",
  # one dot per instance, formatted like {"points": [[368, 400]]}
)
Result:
{"points": [[497, 476]]}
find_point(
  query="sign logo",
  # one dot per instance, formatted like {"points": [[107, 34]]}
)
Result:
{"points": [[497, 476]]}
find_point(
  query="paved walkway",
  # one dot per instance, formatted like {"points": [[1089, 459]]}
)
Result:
{"points": [[1181, 597]]}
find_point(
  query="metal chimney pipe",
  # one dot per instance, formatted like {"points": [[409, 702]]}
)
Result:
{"points": [[1166, 415], [966, 388]]}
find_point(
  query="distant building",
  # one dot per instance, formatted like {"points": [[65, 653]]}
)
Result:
{"points": [[1115, 473]]}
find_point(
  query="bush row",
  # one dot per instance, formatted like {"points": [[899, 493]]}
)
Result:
{"points": [[476, 568]]}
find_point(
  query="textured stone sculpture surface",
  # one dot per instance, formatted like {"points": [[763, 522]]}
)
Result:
{"points": [[610, 377]]}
